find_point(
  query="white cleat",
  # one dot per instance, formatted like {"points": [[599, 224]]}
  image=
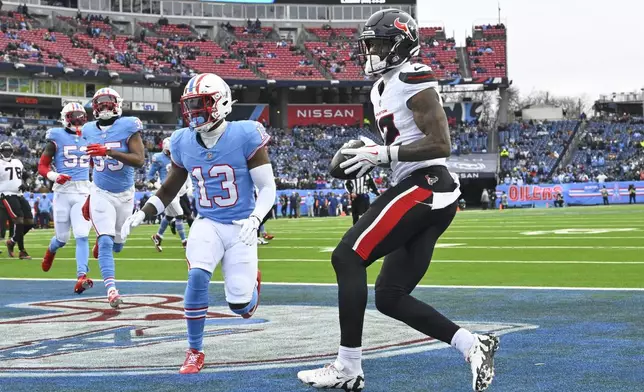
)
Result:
{"points": [[332, 377], [481, 359], [261, 241], [114, 298]]}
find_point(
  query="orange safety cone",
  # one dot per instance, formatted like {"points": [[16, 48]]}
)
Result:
{"points": [[458, 209], [500, 207]]}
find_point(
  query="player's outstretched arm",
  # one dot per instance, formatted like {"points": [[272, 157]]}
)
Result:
{"points": [[168, 191], [430, 118], [156, 204], [136, 156], [44, 165], [261, 172]]}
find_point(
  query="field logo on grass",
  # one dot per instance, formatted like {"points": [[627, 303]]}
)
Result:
{"points": [[578, 231], [84, 337]]}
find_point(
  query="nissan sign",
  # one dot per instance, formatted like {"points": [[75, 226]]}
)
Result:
{"points": [[325, 114]]}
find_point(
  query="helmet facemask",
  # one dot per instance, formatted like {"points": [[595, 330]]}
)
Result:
{"points": [[375, 53], [75, 119], [105, 107], [6, 151], [201, 112]]}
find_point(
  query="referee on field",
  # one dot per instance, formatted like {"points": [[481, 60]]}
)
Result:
{"points": [[359, 191]]}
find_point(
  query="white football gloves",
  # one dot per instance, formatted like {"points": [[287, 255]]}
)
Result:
{"points": [[249, 227], [133, 221], [366, 157]]}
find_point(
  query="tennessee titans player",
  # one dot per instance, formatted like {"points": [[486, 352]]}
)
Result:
{"points": [[224, 161], [160, 164], [116, 148], [66, 150]]}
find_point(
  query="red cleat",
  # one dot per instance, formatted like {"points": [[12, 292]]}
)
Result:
{"points": [[83, 283], [48, 260], [268, 236], [10, 245], [259, 286], [194, 362], [95, 250]]}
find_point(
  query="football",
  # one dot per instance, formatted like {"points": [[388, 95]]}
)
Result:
{"points": [[335, 170]]}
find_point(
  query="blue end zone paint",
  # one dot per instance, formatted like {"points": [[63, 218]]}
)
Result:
{"points": [[585, 341]]}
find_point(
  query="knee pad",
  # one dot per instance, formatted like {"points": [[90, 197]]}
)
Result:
{"points": [[196, 295], [387, 300], [117, 247], [344, 257], [63, 237], [105, 244]]}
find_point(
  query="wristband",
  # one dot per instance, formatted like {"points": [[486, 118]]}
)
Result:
{"points": [[52, 176], [393, 153], [157, 203]]}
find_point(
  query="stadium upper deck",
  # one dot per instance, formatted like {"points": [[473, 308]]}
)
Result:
{"points": [[248, 43]]}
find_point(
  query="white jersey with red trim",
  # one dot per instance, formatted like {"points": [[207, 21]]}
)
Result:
{"points": [[11, 176], [395, 120]]}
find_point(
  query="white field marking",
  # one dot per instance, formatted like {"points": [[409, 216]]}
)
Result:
{"points": [[575, 231], [331, 249], [328, 260], [450, 246], [561, 288]]}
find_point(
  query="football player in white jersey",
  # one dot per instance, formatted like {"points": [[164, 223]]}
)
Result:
{"points": [[405, 222], [17, 207]]}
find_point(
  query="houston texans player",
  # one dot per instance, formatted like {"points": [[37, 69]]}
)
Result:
{"points": [[224, 160], [116, 148], [66, 153], [405, 222], [160, 164]]}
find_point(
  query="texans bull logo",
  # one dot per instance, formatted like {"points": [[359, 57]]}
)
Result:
{"points": [[405, 28]]}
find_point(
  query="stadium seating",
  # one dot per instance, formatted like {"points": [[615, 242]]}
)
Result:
{"points": [[534, 148]]}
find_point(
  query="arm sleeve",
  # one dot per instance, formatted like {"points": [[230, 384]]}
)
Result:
{"points": [[154, 168], [44, 166], [264, 180], [257, 138]]}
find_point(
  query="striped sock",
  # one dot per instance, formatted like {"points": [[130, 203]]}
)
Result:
{"points": [[196, 306], [110, 283]]}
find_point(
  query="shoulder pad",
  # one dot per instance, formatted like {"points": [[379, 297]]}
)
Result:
{"points": [[133, 124], [418, 73], [50, 133]]}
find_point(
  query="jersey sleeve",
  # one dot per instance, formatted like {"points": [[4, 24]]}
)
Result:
{"points": [[418, 77], [133, 125], [154, 168], [257, 137], [175, 148]]}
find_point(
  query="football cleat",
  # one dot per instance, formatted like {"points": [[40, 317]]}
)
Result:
{"points": [[23, 255], [157, 242], [83, 283], [268, 236], [261, 241], [114, 298], [95, 250], [259, 286], [48, 260], [184, 243], [194, 362], [481, 359], [10, 245], [332, 377]]}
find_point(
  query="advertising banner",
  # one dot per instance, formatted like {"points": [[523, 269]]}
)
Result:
{"points": [[473, 166], [573, 194], [341, 114]]}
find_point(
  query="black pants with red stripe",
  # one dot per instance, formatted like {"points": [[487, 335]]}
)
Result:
{"points": [[402, 227]]}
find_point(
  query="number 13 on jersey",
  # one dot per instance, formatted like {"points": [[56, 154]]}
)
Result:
{"points": [[220, 180]]}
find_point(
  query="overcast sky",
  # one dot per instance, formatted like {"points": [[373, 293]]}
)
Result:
{"points": [[554, 45]]}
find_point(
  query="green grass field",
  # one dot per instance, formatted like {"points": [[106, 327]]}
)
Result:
{"points": [[593, 247]]}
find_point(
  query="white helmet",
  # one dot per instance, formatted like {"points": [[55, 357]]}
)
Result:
{"points": [[166, 146], [107, 104], [205, 101], [73, 115]]}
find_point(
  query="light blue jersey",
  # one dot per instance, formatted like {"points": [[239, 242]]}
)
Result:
{"points": [[71, 154], [158, 164], [109, 174], [223, 187]]}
